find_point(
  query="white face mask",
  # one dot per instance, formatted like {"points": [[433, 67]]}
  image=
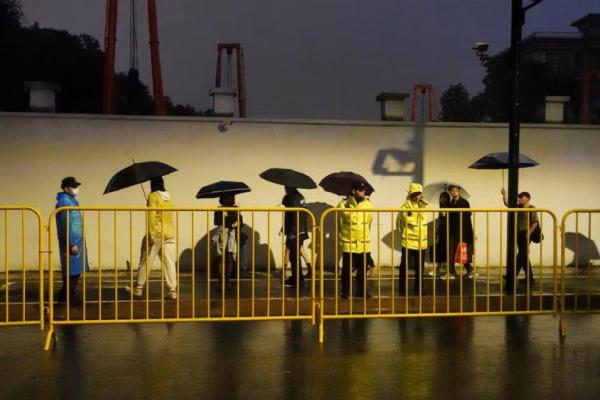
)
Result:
{"points": [[75, 191]]}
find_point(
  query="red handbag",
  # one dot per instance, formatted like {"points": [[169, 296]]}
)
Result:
{"points": [[460, 254]]}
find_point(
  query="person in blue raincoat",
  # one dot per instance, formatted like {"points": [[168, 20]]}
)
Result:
{"points": [[75, 248]]}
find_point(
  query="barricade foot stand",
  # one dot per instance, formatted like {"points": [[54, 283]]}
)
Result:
{"points": [[321, 328], [50, 339], [562, 328]]}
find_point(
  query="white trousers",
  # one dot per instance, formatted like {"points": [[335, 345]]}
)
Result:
{"points": [[165, 251]]}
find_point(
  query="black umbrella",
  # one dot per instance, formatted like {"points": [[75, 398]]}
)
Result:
{"points": [[288, 177], [500, 161], [220, 188], [137, 173], [341, 183]]}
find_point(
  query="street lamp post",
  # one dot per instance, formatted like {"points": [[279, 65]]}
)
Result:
{"points": [[517, 22]]}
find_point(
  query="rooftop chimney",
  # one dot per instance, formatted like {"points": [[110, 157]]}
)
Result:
{"points": [[42, 96]]}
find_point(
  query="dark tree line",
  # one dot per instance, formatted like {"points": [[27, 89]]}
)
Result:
{"points": [[73, 62], [537, 80]]}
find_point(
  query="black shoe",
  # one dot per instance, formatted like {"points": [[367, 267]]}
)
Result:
{"points": [[291, 281], [368, 296], [308, 274], [344, 295]]}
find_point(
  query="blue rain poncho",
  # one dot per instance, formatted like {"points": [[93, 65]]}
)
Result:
{"points": [[63, 199]]}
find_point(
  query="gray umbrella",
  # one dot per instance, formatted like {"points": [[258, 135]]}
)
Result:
{"points": [[432, 190]]}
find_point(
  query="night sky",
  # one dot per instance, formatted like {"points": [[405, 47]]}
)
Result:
{"points": [[314, 58]]}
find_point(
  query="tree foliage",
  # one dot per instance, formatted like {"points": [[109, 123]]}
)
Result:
{"points": [[73, 62], [458, 107]]}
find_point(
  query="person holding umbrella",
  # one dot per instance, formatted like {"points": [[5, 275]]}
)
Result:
{"points": [[527, 222], [159, 240], [461, 230], [296, 232], [354, 229], [224, 241], [228, 224], [70, 228], [295, 223], [413, 237]]}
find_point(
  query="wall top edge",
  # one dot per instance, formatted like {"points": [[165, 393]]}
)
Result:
{"points": [[283, 121]]}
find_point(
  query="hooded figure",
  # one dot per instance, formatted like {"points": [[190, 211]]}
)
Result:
{"points": [[74, 235], [413, 236], [159, 241]]}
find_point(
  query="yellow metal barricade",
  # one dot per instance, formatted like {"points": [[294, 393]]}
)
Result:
{"points": [[22, 282], [470, 278], [209, 264], [580, 261]]}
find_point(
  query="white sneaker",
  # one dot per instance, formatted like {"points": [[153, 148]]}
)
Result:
{"points": [[172, 295], [472, 275], [138, 291], [447, 276]]}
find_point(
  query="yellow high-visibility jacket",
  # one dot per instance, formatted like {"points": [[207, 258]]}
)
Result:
{"points": [[354, 228], [412, 226]]}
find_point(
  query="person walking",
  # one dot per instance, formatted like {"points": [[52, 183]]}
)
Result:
{"points": [[69, 229], [526, 222], [413, 237], [296, 232], [354, 229], [159, 240], [225, 240], [461, 232]]}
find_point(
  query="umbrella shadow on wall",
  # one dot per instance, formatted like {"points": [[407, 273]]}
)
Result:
{"points": [[584, 249], [318, 208], [395, 162], [402, 162], [262, 253]]}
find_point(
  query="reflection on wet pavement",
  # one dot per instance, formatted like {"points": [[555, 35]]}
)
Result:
{"points": [[457, 358]]}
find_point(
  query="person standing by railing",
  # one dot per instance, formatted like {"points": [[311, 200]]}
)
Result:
{"points": [[413, 237], [70, 229], [225, 240], [461, 231], [354, 229], [160, 238], [296, 232], [526, 222]]}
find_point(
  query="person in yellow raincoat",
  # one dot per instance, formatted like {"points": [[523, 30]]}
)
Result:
{"points": [[354, 229], [413, 237], [159, 242]]}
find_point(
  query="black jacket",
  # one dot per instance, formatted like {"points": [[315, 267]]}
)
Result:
{"points": [[292, 217], [455, 218]]}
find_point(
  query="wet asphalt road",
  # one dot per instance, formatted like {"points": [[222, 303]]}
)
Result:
{"points": [[442, 358]]}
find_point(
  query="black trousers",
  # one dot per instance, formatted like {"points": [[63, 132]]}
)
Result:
{"points": [[410, 257], [229, 270], [359, 262], [294, 245], [522, 260], [62, 293]]}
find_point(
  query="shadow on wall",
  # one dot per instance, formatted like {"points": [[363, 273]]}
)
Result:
{"points": [[318, 209], [584, 249], [402, 162], [262, 253]]}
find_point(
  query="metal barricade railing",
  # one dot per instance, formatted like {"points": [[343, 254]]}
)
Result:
{"points": [[580, 261], [22, 282], [224, 270], [477, 283]]}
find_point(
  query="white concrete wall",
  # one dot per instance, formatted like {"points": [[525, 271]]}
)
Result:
{"points": [[38, 150]]}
